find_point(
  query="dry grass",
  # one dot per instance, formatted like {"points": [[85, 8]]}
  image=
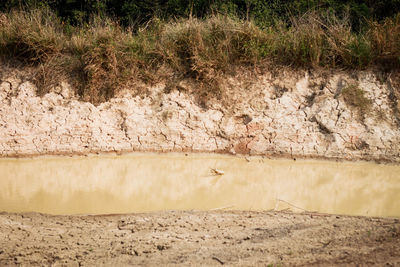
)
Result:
{"points": [[102, 57], [202, 47], [318, 40], [105, 59], [32, 37], [385, 41]]}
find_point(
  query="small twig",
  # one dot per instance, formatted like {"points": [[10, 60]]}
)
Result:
{"points": [[221, 262], [222, 208], [324, 245], [291, 204], [313, 213], [217, 172]]}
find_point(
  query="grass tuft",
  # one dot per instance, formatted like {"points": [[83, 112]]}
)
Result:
{"points": [[32, 37], [354, 96]]}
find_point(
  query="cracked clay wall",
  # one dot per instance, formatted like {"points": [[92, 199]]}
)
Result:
{"points": [[291, 114]]}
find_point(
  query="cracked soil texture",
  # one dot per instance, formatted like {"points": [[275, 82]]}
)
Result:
{"points": [[292, 114], [211, 238]]}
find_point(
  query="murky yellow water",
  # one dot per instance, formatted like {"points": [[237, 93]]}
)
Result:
{"points": [[151, 182]]}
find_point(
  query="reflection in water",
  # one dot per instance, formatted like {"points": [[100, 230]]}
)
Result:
{"points": [[149, 182]]}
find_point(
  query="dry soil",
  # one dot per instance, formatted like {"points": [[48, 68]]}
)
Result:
{"points": [[198, 238]]}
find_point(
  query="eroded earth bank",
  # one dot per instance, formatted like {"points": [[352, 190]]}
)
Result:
{"points": [[292, 114], [330, 115]]}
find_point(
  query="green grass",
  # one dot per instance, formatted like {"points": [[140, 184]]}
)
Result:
{"points": [[101, 57]]}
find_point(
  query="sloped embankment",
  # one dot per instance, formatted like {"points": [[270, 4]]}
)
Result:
{"points": [[335, 115]]}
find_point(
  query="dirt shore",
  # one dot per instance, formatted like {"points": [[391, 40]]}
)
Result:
{"points": [[198, 238]]}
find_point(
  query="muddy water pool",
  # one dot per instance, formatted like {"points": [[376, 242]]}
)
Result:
{"points": [[143, 182]]}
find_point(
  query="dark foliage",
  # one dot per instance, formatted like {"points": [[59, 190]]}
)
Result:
{"points": [[263, 12]]}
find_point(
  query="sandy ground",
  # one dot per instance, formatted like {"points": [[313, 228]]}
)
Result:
{"points": [[198, 238]]}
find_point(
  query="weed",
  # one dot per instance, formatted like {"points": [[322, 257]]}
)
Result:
{"points": [[355, 97]]}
